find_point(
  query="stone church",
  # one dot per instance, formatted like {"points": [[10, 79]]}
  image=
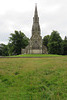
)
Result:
{"points": [[35, 43]]}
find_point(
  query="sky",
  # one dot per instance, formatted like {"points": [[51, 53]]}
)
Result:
{"points": [[18, 15]]}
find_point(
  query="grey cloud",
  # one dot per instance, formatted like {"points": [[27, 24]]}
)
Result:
{"points": [[12, 21], [49, 20]]}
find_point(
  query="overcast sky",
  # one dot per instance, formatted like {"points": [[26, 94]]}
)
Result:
{"points": [[18, 15]]}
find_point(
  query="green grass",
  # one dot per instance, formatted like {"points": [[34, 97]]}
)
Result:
{"points": [[33, 78], [36, 55]]}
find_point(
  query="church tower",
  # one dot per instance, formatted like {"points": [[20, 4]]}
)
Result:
{"points": [[35, 43], [36, 26], [36, 39]]}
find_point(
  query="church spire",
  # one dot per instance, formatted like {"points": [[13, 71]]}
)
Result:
{"points": [[35, 26], [36, 19], [36, 13]]}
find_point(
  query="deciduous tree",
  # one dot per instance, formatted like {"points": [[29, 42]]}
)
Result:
{"points": [[55, 43], [3, 50], [64, 45], [17, 41], [45, 40]]}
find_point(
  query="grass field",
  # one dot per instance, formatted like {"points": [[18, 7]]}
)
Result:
{"points": [[37, 55], [33, 78]]}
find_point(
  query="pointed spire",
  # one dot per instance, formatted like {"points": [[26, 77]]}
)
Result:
{"points": [[36, 13], [36, 8], [36, 18], [36, 26]]}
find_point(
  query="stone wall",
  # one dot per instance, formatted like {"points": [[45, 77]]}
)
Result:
{"points": [[36, 51]]}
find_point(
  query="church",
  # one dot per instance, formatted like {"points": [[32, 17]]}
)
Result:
{"points": [[35, 43]]}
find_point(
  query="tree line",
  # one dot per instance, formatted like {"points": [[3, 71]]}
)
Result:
{"points": [[18, 40], [55, 44]]}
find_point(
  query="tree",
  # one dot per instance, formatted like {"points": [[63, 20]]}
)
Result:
{"points": [[3, 50], [65, 39], [64, 45], [10, 49], [55, 43], [17, 41], [45, 40]]}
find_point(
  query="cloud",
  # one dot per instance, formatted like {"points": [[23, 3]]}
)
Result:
{"points": [[18, 15]]}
